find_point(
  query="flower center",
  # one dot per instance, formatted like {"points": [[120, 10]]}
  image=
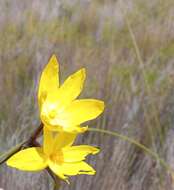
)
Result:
{"points": [[57, 157], [49, 110]]}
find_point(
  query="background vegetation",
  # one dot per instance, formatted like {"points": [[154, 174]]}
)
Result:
{"points": [[127, 47]]}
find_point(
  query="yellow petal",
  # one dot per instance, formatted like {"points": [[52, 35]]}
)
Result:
{"points": [[48, 141], [54, 167], [74, 129], [78, 153], [68, 129], [54, 128], [30, 159], [71, 168], [60, 99], [79, 112], [49, 81], [71, 88], [64, 139]]}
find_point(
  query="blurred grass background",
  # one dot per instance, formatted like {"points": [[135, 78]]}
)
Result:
{"points": [[127, 48]]}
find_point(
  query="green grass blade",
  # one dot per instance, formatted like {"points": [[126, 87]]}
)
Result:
{"points": [[136, 143]]}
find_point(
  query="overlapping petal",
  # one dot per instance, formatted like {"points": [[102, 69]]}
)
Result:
{"points": [[63, 139], [71, 88], [70, 169], [48, 141], [55, 168], [79, 111], [78, 153], [30, 159], [68, 91]]}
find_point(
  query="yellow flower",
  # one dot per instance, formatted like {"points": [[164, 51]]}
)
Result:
{"points": [[59, 111], [57, 153]]}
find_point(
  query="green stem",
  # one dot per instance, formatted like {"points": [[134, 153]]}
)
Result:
{"points": [[132, 141]]}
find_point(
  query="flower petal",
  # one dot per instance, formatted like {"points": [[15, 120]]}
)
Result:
{"points": [[71, 88], [71, 168], [48, 141], [79, 112], [75, 129], [55, 168], [30, 159], [53, 128], [49, 81], [67, 129], [64, 139], [78, 153]]}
